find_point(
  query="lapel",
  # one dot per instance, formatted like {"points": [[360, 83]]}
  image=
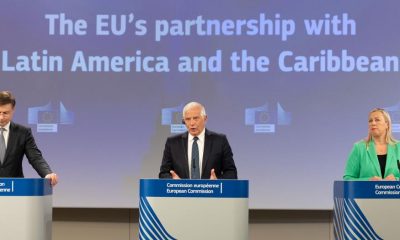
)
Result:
{"points": [[207, 150], [184, 143], [11, 141], [391, 158], [373, 158]]}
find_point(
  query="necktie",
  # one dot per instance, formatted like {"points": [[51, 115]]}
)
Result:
{"points": [[195, 171], [2, 145]]}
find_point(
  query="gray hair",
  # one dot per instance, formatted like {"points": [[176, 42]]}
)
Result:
{"points": [[194, 105]]}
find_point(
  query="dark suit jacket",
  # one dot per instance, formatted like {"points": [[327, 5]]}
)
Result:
{"points": [[20, 143], [217, 155]]}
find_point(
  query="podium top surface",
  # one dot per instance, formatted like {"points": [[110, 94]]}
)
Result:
{"points": [[25, 187], [194, 188], [367, 189]]}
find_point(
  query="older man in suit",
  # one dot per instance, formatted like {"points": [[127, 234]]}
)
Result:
{"points": [[197, 153], [17, 141]]}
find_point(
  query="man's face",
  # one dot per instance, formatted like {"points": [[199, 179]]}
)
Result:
{"points": [[6, 114], [195, 123]]}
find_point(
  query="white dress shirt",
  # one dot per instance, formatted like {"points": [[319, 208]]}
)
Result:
{"points": [[6, 133]]}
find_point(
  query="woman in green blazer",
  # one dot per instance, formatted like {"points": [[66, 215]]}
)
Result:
{"points": [[376, 157]]}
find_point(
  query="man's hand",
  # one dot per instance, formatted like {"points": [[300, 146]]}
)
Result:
{"points": [[53, 178], [174, 175], [212, 175]]}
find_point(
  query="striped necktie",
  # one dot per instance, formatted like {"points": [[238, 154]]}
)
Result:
{"points": [[195, 171]]}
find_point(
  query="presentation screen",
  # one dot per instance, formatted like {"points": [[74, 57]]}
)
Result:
{"points": [[102, 85]]}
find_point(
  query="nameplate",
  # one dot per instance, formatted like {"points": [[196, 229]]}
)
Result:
{"points": [[24, 187], [194, 188], [367, 189]]}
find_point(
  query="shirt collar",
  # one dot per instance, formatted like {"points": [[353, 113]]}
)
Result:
{"points": [[200, 136], [7, 127]]}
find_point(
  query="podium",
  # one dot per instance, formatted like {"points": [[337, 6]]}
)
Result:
{"points": [[193, 209], [26, 209], [366, 210]]}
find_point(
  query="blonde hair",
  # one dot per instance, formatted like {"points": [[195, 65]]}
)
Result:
{"points": [[389, 136]]}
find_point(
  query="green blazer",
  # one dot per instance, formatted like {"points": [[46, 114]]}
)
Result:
{"points": [[363, 163]]}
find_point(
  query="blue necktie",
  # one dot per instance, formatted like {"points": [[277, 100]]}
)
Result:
{"points": [[195, 171], [2, 145]]}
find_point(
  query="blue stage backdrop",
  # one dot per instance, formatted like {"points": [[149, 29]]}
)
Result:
{"points": [[102, 85]]}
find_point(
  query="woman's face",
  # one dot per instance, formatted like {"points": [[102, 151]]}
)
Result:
{"points": [[377, 125]]}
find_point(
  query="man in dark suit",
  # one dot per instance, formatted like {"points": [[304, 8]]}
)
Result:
{"points": [[17, 141], [197, 153]]}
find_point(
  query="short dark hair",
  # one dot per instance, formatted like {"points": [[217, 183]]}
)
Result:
{"points": [[6, 97]]}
